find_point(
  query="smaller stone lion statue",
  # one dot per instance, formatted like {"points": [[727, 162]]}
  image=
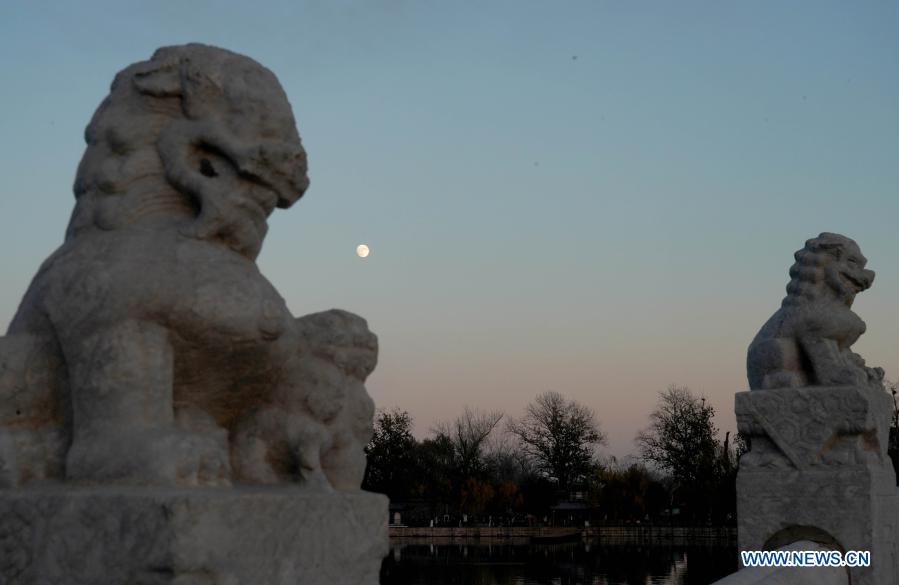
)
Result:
{"points": [[807, 341]]}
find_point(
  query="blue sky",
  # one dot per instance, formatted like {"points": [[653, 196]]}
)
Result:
{"points": [[599, 198]]}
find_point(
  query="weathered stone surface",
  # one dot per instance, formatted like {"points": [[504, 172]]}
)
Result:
{"points": [[149, 349], [153, 380], [801, 428], [807, 341], [196, 536], [818, 471], [850, 509], [817, 420]]}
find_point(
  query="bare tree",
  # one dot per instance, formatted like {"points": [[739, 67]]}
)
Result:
{"points": [[468, 434], [681, 437], [560, 436]]}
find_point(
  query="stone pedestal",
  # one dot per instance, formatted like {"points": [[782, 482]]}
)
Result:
{"points": [[190, 536], [818, 471]]}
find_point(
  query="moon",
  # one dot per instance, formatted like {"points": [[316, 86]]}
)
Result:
{"points": [[362, 250]]}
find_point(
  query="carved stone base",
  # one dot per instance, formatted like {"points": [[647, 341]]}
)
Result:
{"points": [[190, 536], [818, 471], [848, 509]]}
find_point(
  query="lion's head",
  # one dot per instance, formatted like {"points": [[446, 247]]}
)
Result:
{"points": [[196, 134], [829, 267]]}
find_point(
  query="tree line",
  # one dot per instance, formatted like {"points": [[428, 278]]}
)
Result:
{"points": [[545, 466]]}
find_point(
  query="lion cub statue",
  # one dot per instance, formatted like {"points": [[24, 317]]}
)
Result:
{"points": [[807, 341], [149, 349]]}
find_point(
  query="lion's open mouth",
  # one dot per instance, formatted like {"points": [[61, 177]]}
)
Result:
{"points": [[859, 284]]}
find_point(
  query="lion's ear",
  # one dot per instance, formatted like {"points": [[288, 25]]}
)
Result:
{"points": [[160, 80]]}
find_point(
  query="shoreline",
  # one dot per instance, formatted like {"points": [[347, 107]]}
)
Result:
{"points": [[523, 535]]}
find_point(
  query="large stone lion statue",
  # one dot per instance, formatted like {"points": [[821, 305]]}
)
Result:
{"points": [[149, 349], [807, 341]]}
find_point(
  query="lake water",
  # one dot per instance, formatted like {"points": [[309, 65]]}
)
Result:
{"points": [[556, 564]]}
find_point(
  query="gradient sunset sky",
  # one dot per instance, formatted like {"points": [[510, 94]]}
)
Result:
{"points": [[598, 198]]}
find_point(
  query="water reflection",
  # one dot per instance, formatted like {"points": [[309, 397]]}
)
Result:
{"points": [[555, 564]]}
